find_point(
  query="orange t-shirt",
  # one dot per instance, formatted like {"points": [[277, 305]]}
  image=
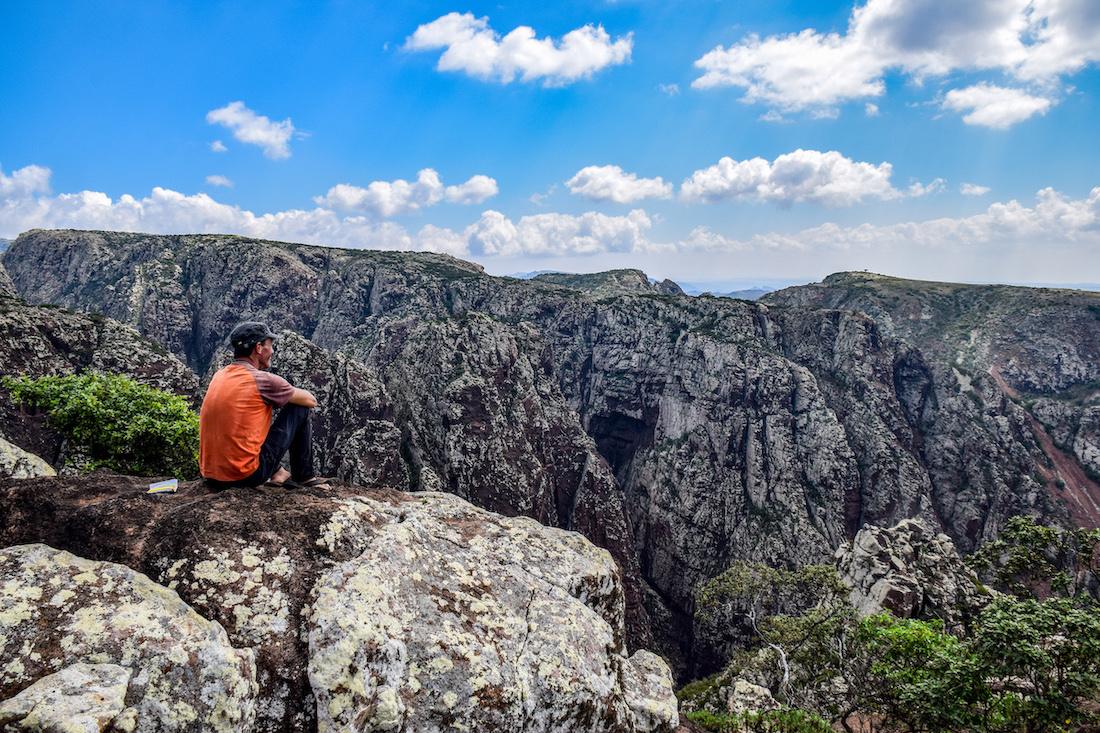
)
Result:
{"points": [[235, 418]]}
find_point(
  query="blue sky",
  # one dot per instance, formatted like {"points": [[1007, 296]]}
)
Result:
{"points": [[708, 141]]}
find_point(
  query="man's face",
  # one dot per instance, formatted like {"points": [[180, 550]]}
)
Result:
{"points": [[264, 350]]}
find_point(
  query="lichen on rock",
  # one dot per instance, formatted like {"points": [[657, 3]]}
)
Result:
{"points": [[184, 675], [455, 618]]}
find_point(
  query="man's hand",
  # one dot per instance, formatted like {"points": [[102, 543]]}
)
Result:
{"points": [[304, 398]]}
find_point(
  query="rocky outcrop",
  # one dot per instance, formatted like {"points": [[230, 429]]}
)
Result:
{"points": [[911, 571], [611, 283], [7, 287], [452, 616], [408, 612], [18, 463], [44, 340], [1039, 339], [183, 674]]}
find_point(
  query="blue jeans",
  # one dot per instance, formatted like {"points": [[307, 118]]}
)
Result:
{"points": [[291, 431]]}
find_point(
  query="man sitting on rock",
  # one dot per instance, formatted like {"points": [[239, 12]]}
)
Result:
{"points": [[239, 445]]}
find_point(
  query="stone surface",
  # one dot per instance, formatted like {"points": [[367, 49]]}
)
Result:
{"points": [[454, 617], [58, 607], [18, 463], [311, 583], [81, 698], [745, 697], [911, 571]]}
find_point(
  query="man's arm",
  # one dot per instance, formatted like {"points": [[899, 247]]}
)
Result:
{"points": [[303, 397]]}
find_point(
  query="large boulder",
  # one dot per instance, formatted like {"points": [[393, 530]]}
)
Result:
{"points": [[184, 673], [910, 570], [453, 616], [18, 463]]}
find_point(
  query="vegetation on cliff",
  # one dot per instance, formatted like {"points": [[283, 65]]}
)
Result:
{"points": [[1029, 660], [117, 423]]}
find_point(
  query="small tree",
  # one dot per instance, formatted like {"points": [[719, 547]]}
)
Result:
{"points": [[120, 424], [1029, 560], [801, 616]]}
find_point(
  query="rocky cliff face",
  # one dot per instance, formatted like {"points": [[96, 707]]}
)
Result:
{"points": [[276, 610], [723, 430], [1040, 345]]}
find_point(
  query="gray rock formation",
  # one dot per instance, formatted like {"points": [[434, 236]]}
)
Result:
{"points": [[453, 616], [7, 287], [911, 571], [58, 607], [18, 463], [416, 612], [88, 698], [484, 418]]}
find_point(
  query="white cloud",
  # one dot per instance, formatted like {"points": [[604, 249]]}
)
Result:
{"points": [[772, 116], [804, 175], [24, 204], [559, 234], [473, 47], [473, 191], [972, 189], [1053, 220], [218, 146], [871, 110], [993, 106], [610, 183], [918, 189], [253, 129], [24, 182], [384, 199], [1034, 41], [670, 89], [218, 180]]}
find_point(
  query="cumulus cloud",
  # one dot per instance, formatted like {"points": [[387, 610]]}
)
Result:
{"points": [[1033, 42], [476, 49], [918, 189], [384, 199], [610, 183], [871, 110], [972, 189], [25, 204], [1054, 219], [804, 175], [559, 234], [670, 89], [994, 106], [253, 129], [218, 180], [24, 182], [218, 146]]}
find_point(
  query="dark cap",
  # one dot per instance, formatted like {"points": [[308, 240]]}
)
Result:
{"points": [[249, 333]]}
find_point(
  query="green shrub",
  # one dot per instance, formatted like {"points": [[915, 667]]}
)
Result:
{"points": [[120, 424]]}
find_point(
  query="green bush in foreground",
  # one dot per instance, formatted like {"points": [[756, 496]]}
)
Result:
{"points": [[118, 423]]}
